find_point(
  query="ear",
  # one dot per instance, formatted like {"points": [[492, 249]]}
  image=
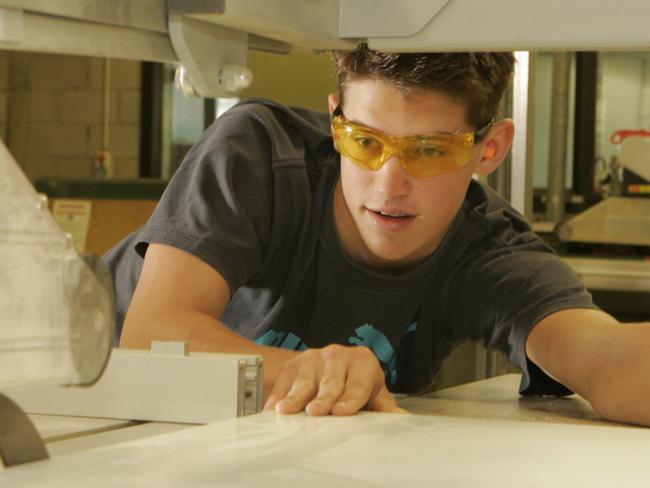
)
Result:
{"points": [[495, 147], [332, 102]]}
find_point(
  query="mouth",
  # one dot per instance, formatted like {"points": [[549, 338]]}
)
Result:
{"points": [[392, 218], [392, 215], [390, 212]]}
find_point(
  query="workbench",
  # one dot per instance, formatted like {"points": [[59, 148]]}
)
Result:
{"points": [[480, 434]]}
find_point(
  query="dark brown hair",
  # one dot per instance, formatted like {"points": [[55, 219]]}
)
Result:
{"points": [[475, 80]]}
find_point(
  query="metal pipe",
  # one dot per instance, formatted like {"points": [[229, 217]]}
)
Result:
{"points": [[523, 108], [558, 144], [107, 103]]}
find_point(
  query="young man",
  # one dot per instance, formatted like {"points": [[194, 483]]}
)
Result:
{"points": [[355, 263]]}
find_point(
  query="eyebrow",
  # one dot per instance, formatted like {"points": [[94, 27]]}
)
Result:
{"points": [[338, 111], [419, 135]]}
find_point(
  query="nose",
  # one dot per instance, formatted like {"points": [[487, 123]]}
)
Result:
{"points": [[391, 180]]}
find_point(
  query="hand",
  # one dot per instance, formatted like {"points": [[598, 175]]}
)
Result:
{"points": [[337, 380]]}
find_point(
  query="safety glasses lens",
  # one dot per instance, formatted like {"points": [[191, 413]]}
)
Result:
{"points": [[420, 157], [433, 157], [364, 148]]}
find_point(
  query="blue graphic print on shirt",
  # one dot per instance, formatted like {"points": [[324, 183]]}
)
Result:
{"points": [[374, 339], [285, 340], [366, 335]]}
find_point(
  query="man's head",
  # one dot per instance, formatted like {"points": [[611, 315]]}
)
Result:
{"points": [[393, 217], [475, 80]]}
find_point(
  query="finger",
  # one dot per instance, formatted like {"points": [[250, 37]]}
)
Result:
{"points": [[330, 388], [302, 392], [385, 401], [360, 387], [281, 388]]}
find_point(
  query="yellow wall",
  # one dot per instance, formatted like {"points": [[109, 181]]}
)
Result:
{"points": [[302, 80], [51, 113]]}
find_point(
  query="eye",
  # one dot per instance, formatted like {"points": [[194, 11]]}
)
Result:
{"points": [[431, 152], [366, 142]]}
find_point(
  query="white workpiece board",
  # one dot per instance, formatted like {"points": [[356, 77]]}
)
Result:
{"points": [[358, 451]]}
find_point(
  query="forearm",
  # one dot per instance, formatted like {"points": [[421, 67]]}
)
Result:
{"points": [[204, 333], [619, 382]]}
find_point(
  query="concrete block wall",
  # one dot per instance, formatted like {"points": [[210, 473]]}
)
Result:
{"points": [[54, 112], [4, 92]]}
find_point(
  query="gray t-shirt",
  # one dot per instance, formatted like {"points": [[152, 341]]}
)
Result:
{"points": [[253, 199]]}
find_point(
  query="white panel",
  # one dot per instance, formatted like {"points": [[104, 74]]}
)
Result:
{"points": [[366, 450], [530, 25], [386, 18], [309, 24]]}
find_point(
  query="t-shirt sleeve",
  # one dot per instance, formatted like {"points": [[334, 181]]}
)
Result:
{"points": [[218, 204], [497, 296]]}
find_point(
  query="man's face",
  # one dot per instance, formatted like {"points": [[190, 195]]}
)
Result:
{"points": [[388, 218]]}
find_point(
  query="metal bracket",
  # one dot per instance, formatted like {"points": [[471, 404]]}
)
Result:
{"points": [[20, 442], [213, 58]]}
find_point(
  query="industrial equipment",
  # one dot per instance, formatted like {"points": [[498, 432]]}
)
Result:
{"points": [[70, 327]]}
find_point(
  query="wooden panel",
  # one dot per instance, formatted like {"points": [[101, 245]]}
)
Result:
{"points": [[111, 220]]}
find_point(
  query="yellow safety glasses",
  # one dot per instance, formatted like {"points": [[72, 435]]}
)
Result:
{"points": [[420, 156]]}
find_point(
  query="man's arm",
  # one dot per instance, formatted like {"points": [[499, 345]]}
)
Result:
{"points": [[604, 361], [181, 298]]}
